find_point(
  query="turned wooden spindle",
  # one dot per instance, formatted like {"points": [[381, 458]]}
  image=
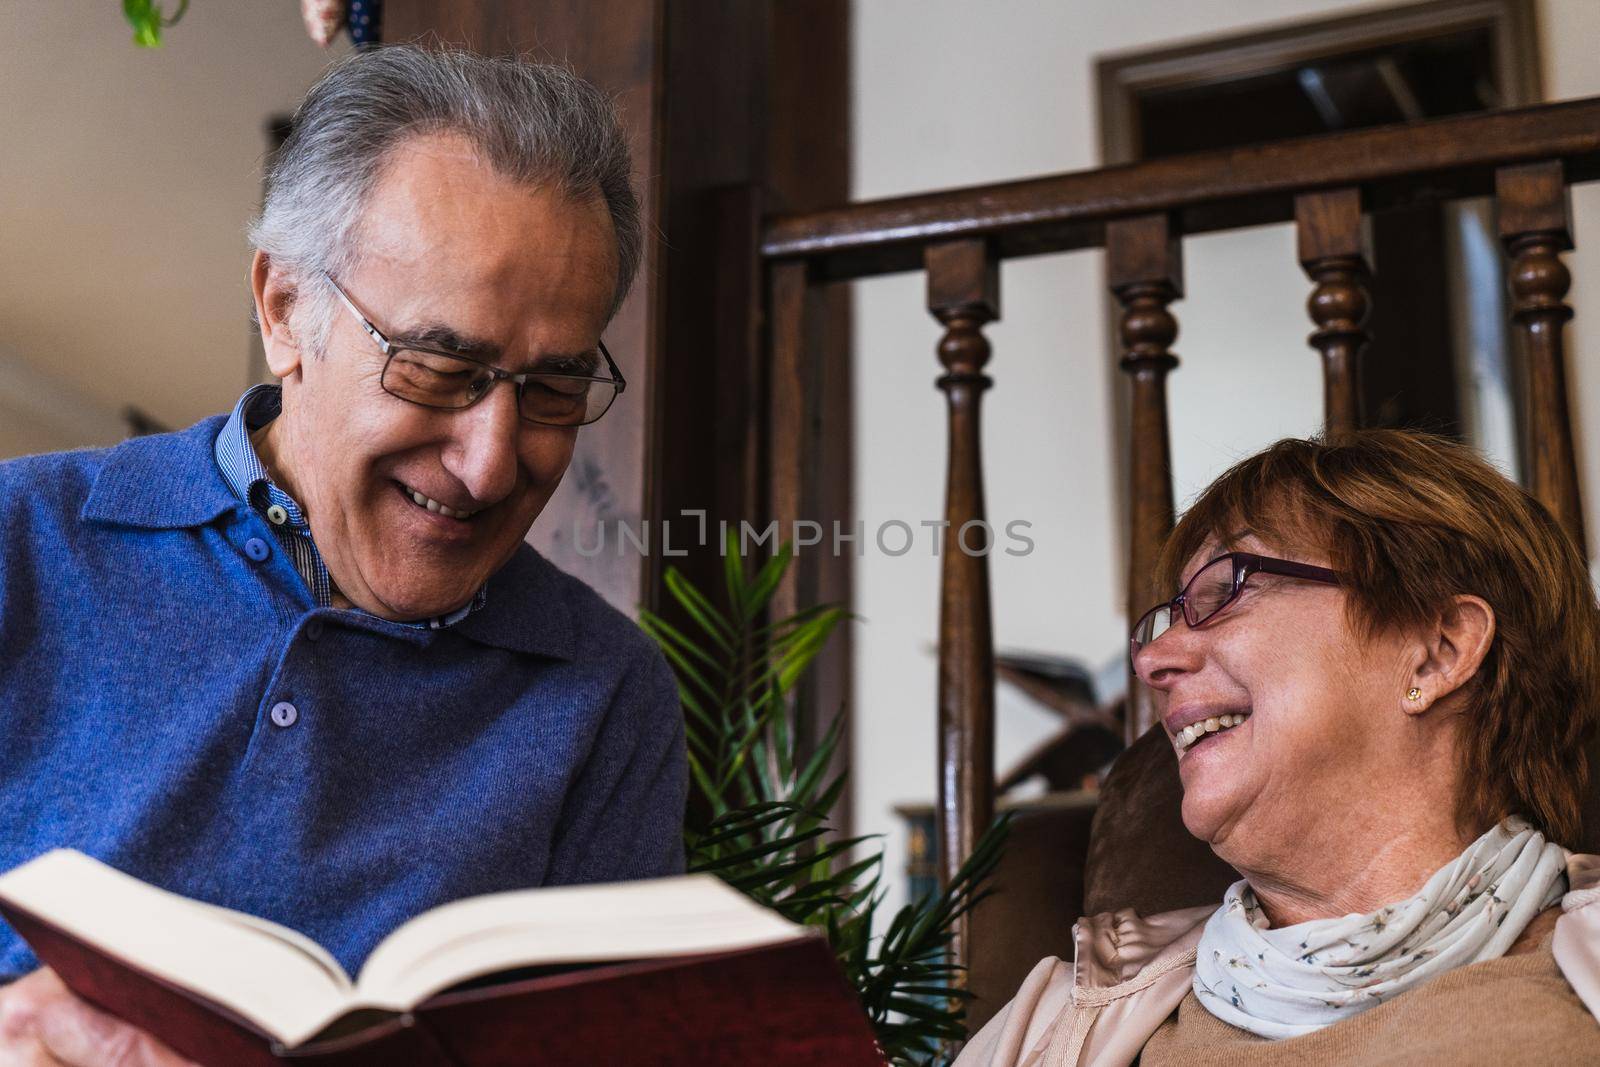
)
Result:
{"points": [[1144, 267], [1328, 226], [964, 294], [1536, 227]]}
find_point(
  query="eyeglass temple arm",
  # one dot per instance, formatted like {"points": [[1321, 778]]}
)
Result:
{"points": [[611, 365], [371, 330], [1290, 569]]}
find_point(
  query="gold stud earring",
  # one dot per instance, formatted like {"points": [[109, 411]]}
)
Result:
{"points": [[1414, 693]]}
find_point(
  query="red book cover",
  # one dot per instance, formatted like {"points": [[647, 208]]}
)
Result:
{"points": [[778, 1005]]}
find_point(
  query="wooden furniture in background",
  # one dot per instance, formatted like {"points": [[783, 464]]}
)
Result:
{"points": [[1089, 738]]}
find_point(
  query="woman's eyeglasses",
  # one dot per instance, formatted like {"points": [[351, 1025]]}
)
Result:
{"points": [[1213, 588]]}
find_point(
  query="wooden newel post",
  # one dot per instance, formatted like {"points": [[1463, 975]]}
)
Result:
{"points": [[1536, 227], [1144, 266], [964, 294], [1328, 226]]}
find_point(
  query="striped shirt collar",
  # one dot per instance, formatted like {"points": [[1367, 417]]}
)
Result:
{"points": [[247, 476]]}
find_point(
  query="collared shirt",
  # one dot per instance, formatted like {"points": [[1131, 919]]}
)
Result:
{"points": [[252, 484], [176, 703]]}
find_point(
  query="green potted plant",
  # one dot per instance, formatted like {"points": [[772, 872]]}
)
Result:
{"points": [[759, 812]]}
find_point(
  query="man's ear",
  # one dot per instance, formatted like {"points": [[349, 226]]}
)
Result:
{"points": [[1453, 650], [275, 295]]}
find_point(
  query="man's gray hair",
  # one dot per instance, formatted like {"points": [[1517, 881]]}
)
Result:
{"points": [[535, 123]]}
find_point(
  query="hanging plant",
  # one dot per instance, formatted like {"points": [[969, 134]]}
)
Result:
{"points": [[323, 20], [148, 20]]}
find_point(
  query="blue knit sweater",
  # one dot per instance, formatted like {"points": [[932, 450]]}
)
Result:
{"points": [[173, 702]]}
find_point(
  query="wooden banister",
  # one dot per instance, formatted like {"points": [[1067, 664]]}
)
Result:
{"points": [[1208, 191], [1328, 227], [1144, 268], [1536, 226], [964, 294], [1138, 213]]}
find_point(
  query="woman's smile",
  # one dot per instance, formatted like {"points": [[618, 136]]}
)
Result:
{"points": [[1206, 729]]}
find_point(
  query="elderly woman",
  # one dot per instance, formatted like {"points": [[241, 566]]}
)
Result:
{"points": [[1379, 674]]}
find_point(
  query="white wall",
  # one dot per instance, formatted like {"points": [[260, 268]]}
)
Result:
{"points": [[39, 411], [127, 177], [951, 93]]}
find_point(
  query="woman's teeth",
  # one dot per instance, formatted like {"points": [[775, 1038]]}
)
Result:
{"points": [[433, 505], [1195, 731]]}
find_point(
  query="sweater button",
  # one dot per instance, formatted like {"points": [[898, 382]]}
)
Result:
{"points": [[284, 714], [257, 549]]}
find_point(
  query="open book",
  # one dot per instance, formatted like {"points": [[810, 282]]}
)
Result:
{"points": [[264, 992]]}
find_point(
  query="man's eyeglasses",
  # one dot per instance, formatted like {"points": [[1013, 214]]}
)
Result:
{"points": [[435, 378], [1214, 587]]}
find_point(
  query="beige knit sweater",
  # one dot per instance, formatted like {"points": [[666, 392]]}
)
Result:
{"points": [[1513, 1010], [1127, 1000]]}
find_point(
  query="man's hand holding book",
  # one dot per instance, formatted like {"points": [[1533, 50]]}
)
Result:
{"points": [[42, 1024]]}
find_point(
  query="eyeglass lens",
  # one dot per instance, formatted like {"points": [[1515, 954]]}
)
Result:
{"points": [[1207, 593], [441, 381]]}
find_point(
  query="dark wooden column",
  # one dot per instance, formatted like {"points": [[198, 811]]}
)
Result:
{"points": [[1144, 266], [807, 124], [791, 422], [1328, 225], [1536, 226], [964, 294]]}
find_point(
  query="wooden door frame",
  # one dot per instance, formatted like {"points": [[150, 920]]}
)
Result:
{"points": [[1125, 76]]}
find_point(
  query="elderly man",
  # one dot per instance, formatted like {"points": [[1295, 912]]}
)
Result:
{"points": [[298, 660]]}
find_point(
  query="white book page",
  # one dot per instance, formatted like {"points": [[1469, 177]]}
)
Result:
{"points": [[651, 919], [278, 979]]}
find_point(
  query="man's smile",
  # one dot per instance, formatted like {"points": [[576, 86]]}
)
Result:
{"points": [[424, 501]]}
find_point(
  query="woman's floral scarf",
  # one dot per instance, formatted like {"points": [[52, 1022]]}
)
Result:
{"points": [[1296, 979]]}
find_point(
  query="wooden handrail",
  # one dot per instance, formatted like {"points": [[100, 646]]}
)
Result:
{"points": [[1206, 191]]}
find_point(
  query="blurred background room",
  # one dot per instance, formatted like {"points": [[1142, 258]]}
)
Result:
{"points": [[126, 183]]}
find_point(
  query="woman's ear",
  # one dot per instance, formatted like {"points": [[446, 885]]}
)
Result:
{"points": [[275, 296], [1452, 653]]}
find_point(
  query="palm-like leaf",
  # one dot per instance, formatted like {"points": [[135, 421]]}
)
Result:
{"points": [[761, 819]]}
